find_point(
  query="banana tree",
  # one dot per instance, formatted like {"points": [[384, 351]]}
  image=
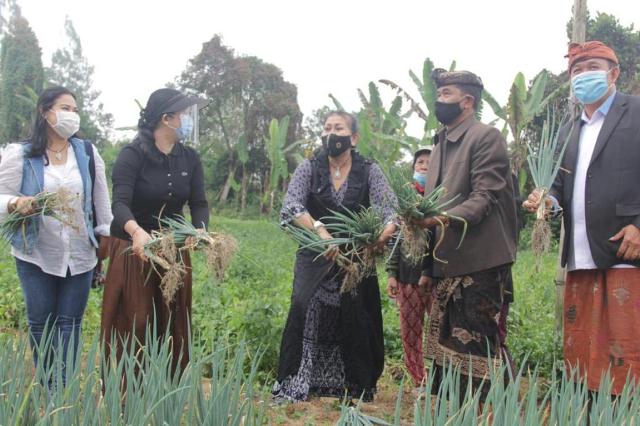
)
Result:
{"points": [[428, 94], [523, 106], [382, 130], [277, 152]]}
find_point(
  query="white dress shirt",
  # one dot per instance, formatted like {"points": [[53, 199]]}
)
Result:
{"points": [[580, 257], [59, 247]]}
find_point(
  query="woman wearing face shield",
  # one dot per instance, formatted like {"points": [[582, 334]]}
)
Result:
{"points": [[153, 177], [55, 260], [332, 344]]}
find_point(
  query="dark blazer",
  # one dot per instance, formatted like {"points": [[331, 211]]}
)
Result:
{"points": [[471, 161], [613, 180]]}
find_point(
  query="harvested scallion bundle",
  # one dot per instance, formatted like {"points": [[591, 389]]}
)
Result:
{"points": [[355, 236], [218, 247], [413, 207], [544, 162], [176, 235], [363, 229], [415, 239], [310, 240], [53, 204]]}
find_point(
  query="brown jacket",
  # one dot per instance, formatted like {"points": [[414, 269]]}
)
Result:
{"points": [[471, 160]]}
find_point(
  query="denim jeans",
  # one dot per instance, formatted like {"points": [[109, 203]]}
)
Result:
{"points": [[55, 303]]}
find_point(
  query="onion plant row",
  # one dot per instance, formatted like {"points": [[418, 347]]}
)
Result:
{"points": [[141, 388], [510, 398]]}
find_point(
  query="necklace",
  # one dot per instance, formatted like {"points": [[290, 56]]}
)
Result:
{"points": [[337, 167], [58, 154]]}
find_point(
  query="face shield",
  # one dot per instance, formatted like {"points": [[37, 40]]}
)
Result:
{"points": [[189, 130], [184, 111]]}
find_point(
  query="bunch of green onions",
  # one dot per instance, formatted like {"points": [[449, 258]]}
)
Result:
{"points": [[177, 235], [544, 163], [363, 229], [53, 204], [408, 198], [355, 235], [413, 207]]}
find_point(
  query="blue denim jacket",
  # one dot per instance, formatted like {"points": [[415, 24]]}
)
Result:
{"points": [[33, 183]]}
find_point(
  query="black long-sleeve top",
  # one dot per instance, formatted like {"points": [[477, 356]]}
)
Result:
{"points": [[399, 266], [147, 182]]}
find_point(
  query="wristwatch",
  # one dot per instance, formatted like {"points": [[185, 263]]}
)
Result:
{"points": [[317, 225]]}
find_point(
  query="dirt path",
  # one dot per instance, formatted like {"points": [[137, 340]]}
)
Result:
{"points": [[326, 411]]}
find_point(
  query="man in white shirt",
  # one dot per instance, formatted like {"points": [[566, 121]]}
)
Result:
{"points": [[598, 190]]}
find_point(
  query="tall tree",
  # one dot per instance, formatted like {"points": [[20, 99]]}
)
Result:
{"points": [[7, 7], [71, 69], [211, 73], [22, 77], [264, 95], [314, 123], [246, 93], [624, 40]]}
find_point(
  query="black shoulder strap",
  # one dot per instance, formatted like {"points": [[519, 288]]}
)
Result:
{"points": [[315, 176], [88, 148]]}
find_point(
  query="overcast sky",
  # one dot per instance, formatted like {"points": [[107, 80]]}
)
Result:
{"points": [[322, 47]]}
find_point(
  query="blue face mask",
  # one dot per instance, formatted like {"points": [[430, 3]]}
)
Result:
{"points": [[590, 86], [186, 127], [420, 178]]}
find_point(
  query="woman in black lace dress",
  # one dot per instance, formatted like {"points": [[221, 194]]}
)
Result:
{"points": [[332, 344]]}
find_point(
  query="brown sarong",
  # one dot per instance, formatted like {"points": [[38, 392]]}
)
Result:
{"points": [[602, 325], [133, 298], [464, 327]]}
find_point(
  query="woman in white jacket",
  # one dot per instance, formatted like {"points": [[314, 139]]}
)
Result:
{"points": [[55, 261]]}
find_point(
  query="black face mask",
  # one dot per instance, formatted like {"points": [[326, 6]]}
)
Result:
{"points": [[446, 113], [336, 145]]}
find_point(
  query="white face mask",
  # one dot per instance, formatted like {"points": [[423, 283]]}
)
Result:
{"points": [[67, 123]]}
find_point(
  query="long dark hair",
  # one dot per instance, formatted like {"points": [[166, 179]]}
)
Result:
{"points": [[146, 126], [150, 118], [47, 99], [145, 139]]}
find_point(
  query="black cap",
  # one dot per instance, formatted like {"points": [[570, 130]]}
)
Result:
{"points": [[444, 78], [419, 152], [166, 100]]}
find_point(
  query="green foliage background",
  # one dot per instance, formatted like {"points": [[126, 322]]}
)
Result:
{"points": [[253, 300]]}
